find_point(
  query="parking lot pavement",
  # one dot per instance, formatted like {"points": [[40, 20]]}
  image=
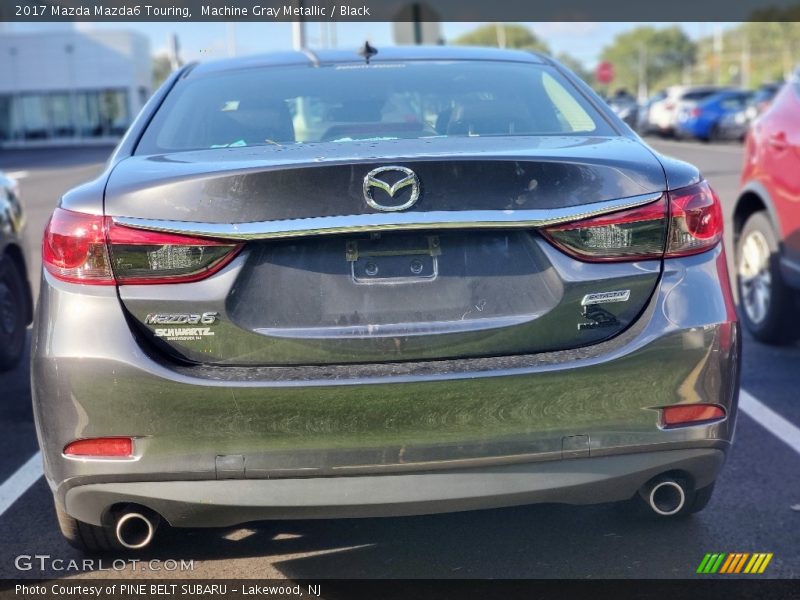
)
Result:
{"points": [[756, 507]]}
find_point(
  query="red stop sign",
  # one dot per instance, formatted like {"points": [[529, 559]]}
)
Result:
{"points": [[604, 73]]}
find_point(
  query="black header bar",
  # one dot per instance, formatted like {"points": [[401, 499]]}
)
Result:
{"points": [[399, 10]]}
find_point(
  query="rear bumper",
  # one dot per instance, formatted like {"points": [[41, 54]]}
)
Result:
{"points": [[573, 417], [225, 503]]}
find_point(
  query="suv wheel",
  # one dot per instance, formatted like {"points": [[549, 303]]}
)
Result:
{"points": [[767, 303]]}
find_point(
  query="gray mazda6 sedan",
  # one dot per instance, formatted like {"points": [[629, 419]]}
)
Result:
{"points": [[341, 284]]}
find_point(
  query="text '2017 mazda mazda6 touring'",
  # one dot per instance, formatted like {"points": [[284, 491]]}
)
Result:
{"points": [[380, 284]]}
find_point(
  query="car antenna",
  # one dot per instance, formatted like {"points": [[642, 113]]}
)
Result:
{"points": [[367, 51]]}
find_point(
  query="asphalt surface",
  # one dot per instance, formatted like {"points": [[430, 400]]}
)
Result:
{"points": [[756, 506]]}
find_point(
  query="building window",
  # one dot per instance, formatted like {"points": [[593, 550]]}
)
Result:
{"points": [[64, 115]]}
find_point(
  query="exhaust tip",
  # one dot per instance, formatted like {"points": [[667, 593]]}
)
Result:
{"points": [[666, 498], [135, 530]]}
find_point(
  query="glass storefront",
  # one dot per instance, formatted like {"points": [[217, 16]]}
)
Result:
{"points": [[64, 115]]}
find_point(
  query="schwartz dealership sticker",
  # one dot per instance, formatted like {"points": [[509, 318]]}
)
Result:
{"points": [[184, 334]]}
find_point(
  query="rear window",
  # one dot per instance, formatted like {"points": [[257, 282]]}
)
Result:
{"points": [[345, 103], [699, 95]]}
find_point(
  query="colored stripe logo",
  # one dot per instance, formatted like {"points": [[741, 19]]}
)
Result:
{"points": [[734, 562]]}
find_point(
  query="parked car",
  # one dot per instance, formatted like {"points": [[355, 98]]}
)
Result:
{"points": [[16, 304], [504, 298], [625, 107], [702, 119], [734, 126], [762, 98], [767, 222], [644, 122], [664, 113]]}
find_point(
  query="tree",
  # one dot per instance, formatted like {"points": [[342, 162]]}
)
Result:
{"points": [[661, 55], [161, 69], [515, 36], [576, 66]]}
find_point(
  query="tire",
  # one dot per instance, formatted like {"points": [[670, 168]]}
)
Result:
{"points": [[767, 304], [92, 539], [701, 499], [13, 313], [714, 134]]}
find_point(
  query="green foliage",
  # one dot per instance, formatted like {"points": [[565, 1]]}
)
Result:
{"points": [[516, 36], [749, 54], [576, 66], [664, 53]]}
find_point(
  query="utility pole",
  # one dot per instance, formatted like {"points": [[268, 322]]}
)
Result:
{"points": [[718, 54], [174, 46], [333, 41], [230, 28], [299, 30], [501, 35], [642, 91], [744, 79]]}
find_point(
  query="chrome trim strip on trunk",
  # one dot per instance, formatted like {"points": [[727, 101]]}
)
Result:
{"points": [[468, 219]]}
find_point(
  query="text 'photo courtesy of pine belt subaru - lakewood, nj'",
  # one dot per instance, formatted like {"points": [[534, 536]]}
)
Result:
{"points": [[384, 283]]}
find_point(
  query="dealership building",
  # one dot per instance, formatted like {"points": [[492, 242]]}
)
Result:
{"points": [[71, 86]]}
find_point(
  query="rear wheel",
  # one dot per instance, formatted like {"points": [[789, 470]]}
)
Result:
{"points": [[714, 134], [768, 304], [13, 318], [85, 536]]}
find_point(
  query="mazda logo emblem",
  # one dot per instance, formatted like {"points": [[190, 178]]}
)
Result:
{"points": [[375, 180]]}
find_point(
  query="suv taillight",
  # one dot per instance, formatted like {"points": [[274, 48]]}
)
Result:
{"points": [[682, 222], [695, 220], [89, 249]]}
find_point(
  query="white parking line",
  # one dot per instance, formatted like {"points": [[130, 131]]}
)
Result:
{"points": [[723, 148], [782, 429], [17, 174], [19, 482]]}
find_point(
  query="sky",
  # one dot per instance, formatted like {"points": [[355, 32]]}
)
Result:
{"points": [[204, 41]]}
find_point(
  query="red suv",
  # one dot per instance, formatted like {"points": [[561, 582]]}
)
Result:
{"points": [[767, 221]]}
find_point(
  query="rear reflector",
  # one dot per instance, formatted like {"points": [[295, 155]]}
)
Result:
{"points": [[690, 414], [90, 249], [111, 447], [682, 222]]}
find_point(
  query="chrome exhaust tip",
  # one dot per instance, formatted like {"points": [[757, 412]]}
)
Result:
{"points": [[135, 530], [666, 497]]}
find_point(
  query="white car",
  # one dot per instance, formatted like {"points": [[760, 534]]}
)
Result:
{"points": [[663, 114]]}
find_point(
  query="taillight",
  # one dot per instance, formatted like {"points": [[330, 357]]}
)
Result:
{"points": [[695, 220], [147, 257], [634, 234], [683, 222], [74, 248], [90, 249]]}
